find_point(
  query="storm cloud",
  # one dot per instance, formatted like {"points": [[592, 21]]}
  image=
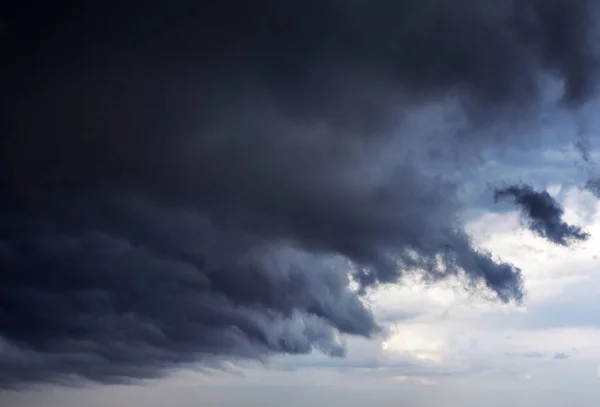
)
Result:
{"points": [[542, 214], [195, 182]]}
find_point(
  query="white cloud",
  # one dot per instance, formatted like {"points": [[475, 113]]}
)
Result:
{"points": [[554, 190], [548, 268], [443, 327]]}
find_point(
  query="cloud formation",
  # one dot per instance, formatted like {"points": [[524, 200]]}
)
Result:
{"points": [[197, 182], [542, 214], [593, 185]]}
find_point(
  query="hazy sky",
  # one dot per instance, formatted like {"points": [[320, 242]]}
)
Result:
{"points": [[279, 203]]}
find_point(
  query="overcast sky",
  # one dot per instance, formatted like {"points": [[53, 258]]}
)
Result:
{"points": [[383, 204]]}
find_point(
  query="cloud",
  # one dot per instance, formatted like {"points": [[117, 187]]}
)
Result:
{"points": [[542, 214], [531, 355], [552, 273], [184, 184], [502, 342], [593, 186], [423, 381], [537, 355]]}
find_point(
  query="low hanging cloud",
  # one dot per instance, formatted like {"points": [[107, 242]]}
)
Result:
{"points": [[542, 214], [190, 183]]}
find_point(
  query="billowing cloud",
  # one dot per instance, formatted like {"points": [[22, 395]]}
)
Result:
{"points": [[194, 182], [542, 214]]}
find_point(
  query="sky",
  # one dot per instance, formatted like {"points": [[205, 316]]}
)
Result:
{"points": [[342, 203]]}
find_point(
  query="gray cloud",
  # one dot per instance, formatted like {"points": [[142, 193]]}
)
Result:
{"points": [[197, 182], [529, 355], [542, 214], [593, 186], [538, 355]]}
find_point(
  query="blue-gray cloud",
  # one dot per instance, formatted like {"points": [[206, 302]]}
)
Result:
{"points": [[529, 355], [542, 214], [593, 186]]}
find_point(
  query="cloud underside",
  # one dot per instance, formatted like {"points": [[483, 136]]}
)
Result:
{"points": [[187, 184]]}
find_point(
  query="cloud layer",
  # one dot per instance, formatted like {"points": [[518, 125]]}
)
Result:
{"points": [[197, 182], [542, 214]]}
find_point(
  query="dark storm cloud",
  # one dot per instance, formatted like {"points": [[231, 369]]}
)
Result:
{"points": [[542, 214], [80, 298], [198, 181]]}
